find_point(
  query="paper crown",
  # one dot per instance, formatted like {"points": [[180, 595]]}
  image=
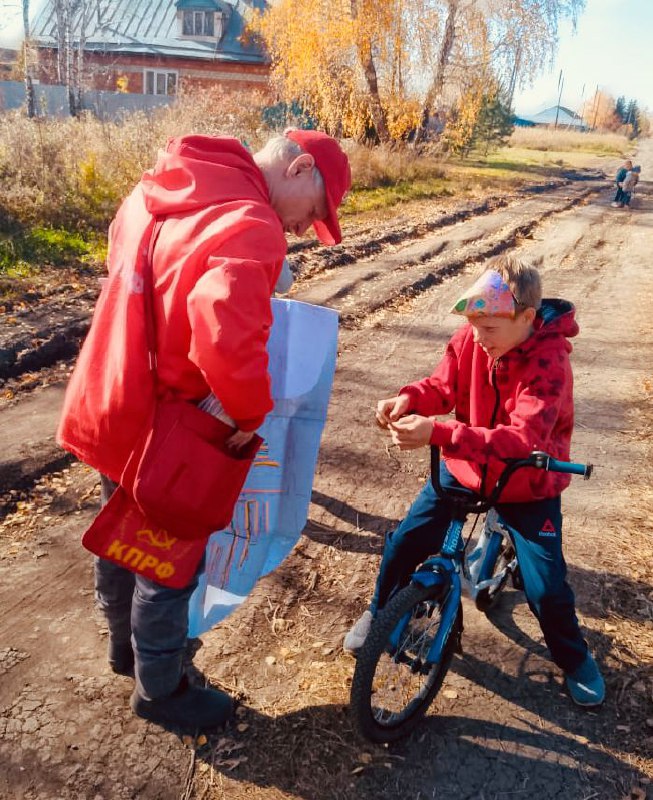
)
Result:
{"points": [[490, 296]]}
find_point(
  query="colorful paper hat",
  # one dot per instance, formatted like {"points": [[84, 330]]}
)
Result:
{"points": [[490, 296]]}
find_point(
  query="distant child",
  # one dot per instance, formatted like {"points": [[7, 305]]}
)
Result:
{"points": [[619, 178], [507, 374], [628, 185]]}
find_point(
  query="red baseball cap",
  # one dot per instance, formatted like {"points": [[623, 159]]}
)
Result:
{"points": [[334, 168]]}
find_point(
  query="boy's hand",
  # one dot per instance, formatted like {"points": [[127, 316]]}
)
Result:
{"points": [[391, 410], [412, 431]]}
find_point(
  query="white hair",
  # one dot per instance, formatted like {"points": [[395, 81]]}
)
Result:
{"points": [[283, 149]]}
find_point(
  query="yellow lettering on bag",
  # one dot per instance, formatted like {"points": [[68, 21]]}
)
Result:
{"points": [[133, 557], [149, 562], [139, 560], [116, 550], [164, 570]]}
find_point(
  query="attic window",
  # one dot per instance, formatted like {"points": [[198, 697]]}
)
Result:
{"points": [[198, 23]]}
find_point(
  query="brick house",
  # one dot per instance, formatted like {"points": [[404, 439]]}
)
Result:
{"points": [[156, 47]]}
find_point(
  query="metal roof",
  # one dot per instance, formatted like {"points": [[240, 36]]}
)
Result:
{"points": [[151, 27], [565, 116]]}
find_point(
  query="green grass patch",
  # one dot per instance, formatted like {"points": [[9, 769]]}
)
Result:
{"points": [[24, 251], [361, 200]]}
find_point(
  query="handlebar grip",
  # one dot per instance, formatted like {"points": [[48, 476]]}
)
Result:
{"points": [[568, 467]]}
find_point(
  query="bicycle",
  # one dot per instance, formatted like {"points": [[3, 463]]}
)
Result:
{"points": [[407, 653]]}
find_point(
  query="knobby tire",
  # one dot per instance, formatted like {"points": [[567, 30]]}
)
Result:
{"points": [[374, 649]]}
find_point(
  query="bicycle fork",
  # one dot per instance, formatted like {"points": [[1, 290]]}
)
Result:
{"points": [[480, 563]]}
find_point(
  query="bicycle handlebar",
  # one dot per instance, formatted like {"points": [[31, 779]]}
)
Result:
{"points": [[544, 461], [537, 459]]}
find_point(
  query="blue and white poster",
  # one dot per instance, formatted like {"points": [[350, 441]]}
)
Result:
{"points": [[273, 507]]}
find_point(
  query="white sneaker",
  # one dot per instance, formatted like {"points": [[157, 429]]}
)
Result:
{"points": [[355, 639], [614, 205]]}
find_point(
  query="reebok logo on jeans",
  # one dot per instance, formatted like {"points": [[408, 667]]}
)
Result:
{"points": [[548, 529]]}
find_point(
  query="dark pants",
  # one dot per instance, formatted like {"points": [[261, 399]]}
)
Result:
{"points": [[153, 617], [537, 539], [622, 197]]}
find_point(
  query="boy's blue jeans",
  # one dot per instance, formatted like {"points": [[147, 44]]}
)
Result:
{"points": [[539, 552], [153, 617]]}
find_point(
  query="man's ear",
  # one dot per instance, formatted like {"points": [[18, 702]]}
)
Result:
{"points": [[300, 164]]}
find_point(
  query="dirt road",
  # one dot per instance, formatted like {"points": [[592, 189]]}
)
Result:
{"points": [[503, 727]]}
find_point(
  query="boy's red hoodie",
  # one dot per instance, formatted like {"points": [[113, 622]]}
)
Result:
{"points": [[504, 407], [216, 262]]}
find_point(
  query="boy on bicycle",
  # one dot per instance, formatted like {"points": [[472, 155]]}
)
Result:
{"points": [[507, 374]]}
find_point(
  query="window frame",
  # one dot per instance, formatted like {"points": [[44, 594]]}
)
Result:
{"points": [[189, 22], [156, 74]]}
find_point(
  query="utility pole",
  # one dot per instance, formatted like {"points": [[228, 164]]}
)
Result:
{"points": [[596, 106], [561, 83]]}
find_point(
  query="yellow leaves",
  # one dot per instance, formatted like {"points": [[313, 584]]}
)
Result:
{"points": [[402, 115], [317, 50]]}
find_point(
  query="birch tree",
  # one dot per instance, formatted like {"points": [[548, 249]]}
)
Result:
{"points": [[72, 18], [30, 104], [361, 64]]}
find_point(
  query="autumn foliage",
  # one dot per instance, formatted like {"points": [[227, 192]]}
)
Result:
{"points": [[379, 71]]}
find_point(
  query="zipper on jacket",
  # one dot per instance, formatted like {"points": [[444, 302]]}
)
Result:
{"points": [[493, 418]]}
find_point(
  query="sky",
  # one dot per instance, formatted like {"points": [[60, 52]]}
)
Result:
{"points": [[612, 48]]}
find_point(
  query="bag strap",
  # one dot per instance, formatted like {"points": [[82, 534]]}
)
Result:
{"points": [[148, 300]]}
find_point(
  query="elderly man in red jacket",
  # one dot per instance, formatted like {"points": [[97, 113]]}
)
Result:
{"points": [[219, 252]]}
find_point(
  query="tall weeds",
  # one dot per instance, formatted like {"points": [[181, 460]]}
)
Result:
{"points": [[563, 140], [72, 173]]}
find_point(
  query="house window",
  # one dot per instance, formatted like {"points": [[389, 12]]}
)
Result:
{"points": [[198, 23], [157, 81]]}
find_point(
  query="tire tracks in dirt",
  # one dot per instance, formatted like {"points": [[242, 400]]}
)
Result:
{"points": [[506, 726], [50, 334]]}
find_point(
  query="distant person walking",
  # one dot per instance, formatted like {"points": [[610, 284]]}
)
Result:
{"points": [[628, 185], [619, 179]]}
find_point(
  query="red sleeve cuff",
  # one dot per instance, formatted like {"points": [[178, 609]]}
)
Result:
{"points": [[441, 434]]}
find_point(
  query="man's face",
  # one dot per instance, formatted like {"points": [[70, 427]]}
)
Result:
{"points": [[297, 198], [498, 335]]}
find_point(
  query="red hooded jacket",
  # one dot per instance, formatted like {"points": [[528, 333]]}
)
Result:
{"points": [[216, 261], [505, 408]]}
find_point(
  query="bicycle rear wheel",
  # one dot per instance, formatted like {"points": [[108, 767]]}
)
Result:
{"points": [[393, 688], [486, 598]]}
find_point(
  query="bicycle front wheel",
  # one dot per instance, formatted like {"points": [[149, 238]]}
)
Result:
{"points": [[393, 687]]}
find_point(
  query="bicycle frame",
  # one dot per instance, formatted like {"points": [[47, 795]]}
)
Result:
{"points": [[449, 569]]}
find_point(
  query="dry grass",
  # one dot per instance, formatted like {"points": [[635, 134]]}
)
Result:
{"points": [[613, 144], [59, 178], [72, 173]]}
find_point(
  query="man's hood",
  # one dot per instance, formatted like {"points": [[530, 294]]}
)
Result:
{"points": [[197, 171]]}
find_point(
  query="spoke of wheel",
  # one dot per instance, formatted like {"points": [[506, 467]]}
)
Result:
{"points": [[398, 685]]}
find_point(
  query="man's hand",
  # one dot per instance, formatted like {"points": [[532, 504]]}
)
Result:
{"points": [[412, 431], [239, 439], [390, 410]]}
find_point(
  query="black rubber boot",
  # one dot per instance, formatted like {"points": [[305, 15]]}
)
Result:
{"points": [[121, 658], [188, 708]]}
